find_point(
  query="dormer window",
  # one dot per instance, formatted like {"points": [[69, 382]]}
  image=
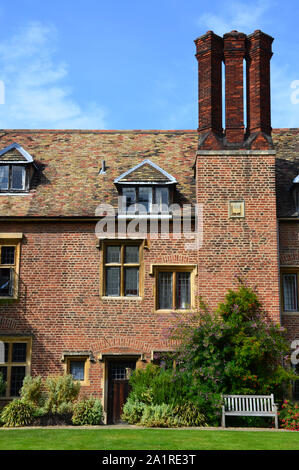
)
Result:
{"points": [[15, 169], [295, 193], [12, 178], [146, 199], [146, 188]]}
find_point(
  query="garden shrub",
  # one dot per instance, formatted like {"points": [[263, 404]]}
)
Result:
{"points": [[289, 416], [60, 389], [17, 413], [31, 391], [154, 385], [88, 411], [189, 414], [132, 411], [235, 350], [159, 416]]}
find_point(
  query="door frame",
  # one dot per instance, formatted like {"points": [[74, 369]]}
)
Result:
{"points": [[108, 359]]}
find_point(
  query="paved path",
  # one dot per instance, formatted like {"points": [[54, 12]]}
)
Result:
{"points": [[130, 426]]}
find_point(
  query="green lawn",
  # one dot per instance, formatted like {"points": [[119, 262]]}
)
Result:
{"points": [[145, 439]]}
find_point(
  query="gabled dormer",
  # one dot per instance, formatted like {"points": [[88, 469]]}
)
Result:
{"points": [[146, 188], [16, 169]]}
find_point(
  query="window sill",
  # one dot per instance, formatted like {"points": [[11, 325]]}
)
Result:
{"points": [[8, 300], [111, 297], [145, 216], [173, 310], [290, 313], [22, 193]]}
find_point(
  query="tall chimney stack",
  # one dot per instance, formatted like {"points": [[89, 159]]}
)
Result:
{"points": [[259, 53], [209, 54], [234, 54]]}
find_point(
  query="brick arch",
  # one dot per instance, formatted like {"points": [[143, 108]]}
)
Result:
{"points": [[182, 259], [127, 345], [121, 343], [289, 258]]}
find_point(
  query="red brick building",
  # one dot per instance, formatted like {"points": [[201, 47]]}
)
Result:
{"points": [[70, 301]]}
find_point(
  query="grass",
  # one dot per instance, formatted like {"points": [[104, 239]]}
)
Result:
{"points": [[145, 439]]}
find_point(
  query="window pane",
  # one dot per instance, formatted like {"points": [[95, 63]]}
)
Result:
{"points": [[8, 255], [3, 372], [113, 254], [131, 281], [130, 195], [4, 173], [18, 177], [290, 292], [77, 369], [113, 281], [132, 254], [165, 290], [17, 377], [182, 290], [6, 346], [162, 199], [19, 352], [145, 199], [3, 352], [5, 282]]}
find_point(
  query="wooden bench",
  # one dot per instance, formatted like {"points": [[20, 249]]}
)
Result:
{"points": [[249, 405]]}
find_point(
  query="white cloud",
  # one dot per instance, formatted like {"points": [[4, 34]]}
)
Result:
{"points": [[36, 94], [241, 16], [285, 112]]}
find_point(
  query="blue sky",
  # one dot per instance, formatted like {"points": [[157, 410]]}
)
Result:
{"points": [[95, 64]]}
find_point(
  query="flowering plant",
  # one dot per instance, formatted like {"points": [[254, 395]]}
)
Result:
{"points": [[289, 416]]}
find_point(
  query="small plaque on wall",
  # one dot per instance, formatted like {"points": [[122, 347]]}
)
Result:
{"points": [[236, 209]]}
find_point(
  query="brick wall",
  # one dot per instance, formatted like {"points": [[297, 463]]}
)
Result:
{"points": [[60, 303], [246, 246], [289, 257]]}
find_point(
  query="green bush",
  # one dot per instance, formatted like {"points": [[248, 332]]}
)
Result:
{"points": [[189, 414], [31, 391], [154, 385], [65, 408], [132, 411], [235, 350], [59, 390], [2, 385], [159, 416], [88, 411], [17, 413]]}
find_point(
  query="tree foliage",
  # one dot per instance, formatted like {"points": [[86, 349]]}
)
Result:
{"points": [[236, 350]]}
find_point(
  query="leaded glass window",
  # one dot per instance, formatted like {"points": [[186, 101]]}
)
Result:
{"points": [[121, 270], [12, 177], [77, 369], [174, 289], [15, 366], [290, 294]]}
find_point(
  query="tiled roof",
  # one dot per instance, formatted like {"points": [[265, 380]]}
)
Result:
{"points": [[287, 168], [69, 183]]}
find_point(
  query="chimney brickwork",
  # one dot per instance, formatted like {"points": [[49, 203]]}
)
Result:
{"points": [[237, 166], [232, 50]]}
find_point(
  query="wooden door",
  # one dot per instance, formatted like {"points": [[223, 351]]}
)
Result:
{"points": [[118, 388]]}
